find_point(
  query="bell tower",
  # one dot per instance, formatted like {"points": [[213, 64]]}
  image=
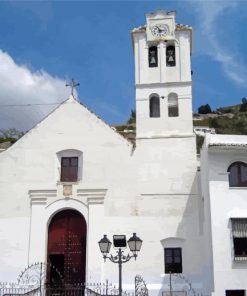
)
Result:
{"points": [[165, 143], [162, 51]]}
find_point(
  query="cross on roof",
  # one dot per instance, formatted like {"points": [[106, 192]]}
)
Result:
{"points": [[72, 84]]}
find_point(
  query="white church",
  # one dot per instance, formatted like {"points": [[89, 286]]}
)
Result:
{"points": [[72, 179]]}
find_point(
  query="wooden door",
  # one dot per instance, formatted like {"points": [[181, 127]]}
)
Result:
{"points": [[67, 248]]}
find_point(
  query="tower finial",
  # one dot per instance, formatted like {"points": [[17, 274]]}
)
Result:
{"points": [[72, 84]]}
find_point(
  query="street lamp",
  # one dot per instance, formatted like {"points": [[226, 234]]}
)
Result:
{"points": [[119, 242]]}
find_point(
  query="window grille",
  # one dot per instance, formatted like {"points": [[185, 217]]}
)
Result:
{"points": [[239, 234]]}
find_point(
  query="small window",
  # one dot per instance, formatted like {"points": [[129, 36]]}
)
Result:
{"points": [[154, 106], [173, 105], [239, 235], [173, 260], [170, 56], [69, 169], [235, 292], [153, 56], [237, 174]]}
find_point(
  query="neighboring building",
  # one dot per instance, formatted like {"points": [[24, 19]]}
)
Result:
{"points": [[203, 130], [224, 184], [4, 146], [72, 178]]}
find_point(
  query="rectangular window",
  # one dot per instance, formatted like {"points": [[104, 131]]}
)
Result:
{"points": [[235, 292], [69, 169], [173, 260], [239, 235]]}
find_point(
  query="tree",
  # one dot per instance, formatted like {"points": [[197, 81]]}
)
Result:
{"points": [[243, 107], [10, 135], [204, 109], [132, 118], [199, 143]]}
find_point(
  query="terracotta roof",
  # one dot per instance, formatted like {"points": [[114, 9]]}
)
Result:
{"points": [[183, 27], [178, 27], [139, 29]]}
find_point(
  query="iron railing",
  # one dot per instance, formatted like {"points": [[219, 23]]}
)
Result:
{"points": [[91, 289]]}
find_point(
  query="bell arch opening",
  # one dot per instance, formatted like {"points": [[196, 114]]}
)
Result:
{"points": [[66, 248]]}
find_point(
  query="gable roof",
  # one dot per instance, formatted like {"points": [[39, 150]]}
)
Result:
{"points": [[71, 99]]}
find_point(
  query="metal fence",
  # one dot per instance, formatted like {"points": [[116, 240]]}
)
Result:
{"points": [[92, 289]]}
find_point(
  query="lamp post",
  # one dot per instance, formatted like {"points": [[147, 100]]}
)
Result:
{"points": [[119, 242]]}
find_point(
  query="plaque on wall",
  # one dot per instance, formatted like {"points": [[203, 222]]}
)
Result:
{"points": [[67, 190]]}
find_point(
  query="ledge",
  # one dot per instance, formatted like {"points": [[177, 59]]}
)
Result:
{"points": [[154, 137], [237, 188], [93, 196], [40, 196], [67, 183]]}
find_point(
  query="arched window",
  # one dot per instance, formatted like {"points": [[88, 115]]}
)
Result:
{"points": [[170, 56], [154, 106], [172, 105], [237, 174], [153, 56]]}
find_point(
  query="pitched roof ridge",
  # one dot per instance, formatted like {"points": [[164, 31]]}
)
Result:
{"points": [[69, 100], [39, 122], [104, 122]]}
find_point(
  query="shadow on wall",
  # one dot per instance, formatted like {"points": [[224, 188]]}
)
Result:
{"points": [[196, 276], [197, 265]]}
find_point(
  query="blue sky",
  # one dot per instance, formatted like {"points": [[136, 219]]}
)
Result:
{"points": [[42, 44]]}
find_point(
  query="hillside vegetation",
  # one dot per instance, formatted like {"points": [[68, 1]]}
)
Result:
{"points": [[227, 120]]}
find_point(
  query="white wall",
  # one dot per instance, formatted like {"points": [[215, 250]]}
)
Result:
{"points": [[163, 80], [162, 74], [222, 203], [147, 190], [163, 126], [151, 189], [32, 164]]}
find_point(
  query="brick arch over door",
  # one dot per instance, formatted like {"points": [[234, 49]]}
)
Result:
{"points": [[66, 250]]}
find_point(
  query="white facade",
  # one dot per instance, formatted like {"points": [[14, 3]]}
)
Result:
{"points": [[221, 204], [153, 189], [203, 130]]}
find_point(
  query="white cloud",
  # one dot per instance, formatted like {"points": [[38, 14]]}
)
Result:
{"points": [[19, 86], [212, 43]]}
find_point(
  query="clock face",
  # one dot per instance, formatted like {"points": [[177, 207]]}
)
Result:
{"points": [[160, 30]]}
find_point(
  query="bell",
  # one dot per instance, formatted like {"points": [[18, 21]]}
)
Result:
{"points": [[152, 61], [171, 59]]}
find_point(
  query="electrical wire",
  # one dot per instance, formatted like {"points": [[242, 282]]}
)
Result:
{"points": [[28, 105]]}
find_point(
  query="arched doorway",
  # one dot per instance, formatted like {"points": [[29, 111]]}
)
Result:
{"points": [[66, 251]]}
